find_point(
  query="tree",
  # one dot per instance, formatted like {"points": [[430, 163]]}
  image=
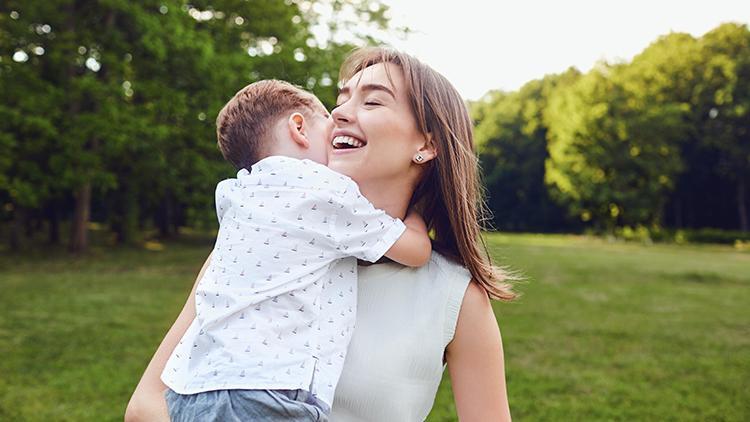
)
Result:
{"points": [[29, 112], [612, 148], [109, 106], [512, 140], [724, 104]]}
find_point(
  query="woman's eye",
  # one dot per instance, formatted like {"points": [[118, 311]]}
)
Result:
{"points": [[372, 103]]}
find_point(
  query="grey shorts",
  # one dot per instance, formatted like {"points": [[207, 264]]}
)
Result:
{"points": [[245, 405]]}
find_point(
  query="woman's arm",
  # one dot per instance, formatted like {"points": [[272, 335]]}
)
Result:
{"points": [[147, 402], [475, 361]]}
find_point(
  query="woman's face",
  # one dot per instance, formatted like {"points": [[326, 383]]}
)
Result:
{"points": [[376, 135]]}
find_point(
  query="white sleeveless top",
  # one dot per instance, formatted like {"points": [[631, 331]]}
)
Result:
{"points": [[405, 319]]}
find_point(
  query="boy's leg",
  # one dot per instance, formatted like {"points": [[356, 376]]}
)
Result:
{"points": [[208, 406], [278, 405], [243, 405]]}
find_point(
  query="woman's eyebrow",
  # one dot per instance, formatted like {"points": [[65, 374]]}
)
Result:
{"points": [[369, 87]]}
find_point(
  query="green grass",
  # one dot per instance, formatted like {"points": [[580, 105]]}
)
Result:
{"points": [[604, 331], [623, 331]]}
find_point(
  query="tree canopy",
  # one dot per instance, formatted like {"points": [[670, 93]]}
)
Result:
{"points": [[108, 107], [661, 140]]}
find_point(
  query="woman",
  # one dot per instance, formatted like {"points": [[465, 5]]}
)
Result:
{"points": [[418, 153]]}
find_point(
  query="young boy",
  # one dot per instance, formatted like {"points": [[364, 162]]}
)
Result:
{"points": [[275, 308]]}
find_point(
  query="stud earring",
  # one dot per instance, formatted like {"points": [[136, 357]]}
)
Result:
{"points": [[418, 158]]}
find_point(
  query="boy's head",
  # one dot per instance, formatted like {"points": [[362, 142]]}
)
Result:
{"points": [[272, 117]]}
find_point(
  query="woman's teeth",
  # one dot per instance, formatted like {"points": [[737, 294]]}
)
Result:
{"points": [[342, 141]]}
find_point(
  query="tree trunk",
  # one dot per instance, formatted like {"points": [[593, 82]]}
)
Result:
{"points": [[54, 224], [15, 230], [82, 195], [178, 216], [165, 216], [741, 206], [126, 217], [79, 240], [30, 226], [162, 219]]}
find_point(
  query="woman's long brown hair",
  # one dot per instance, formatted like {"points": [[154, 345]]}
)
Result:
{"points": [[449, 194]]}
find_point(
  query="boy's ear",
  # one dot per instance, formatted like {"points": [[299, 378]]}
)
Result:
{"points": [[298, 130]]}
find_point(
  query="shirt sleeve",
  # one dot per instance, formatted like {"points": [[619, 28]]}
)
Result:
{"points": [[361, 230], [222, 198]]}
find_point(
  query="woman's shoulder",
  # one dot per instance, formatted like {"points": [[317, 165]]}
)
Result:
{"points": [[456, 280], [440, 280], [472, 292], [448, 269]]}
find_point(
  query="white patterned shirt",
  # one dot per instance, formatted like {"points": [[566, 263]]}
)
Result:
{"points": [[276, 306]]}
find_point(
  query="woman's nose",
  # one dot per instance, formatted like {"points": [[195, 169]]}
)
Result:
{"points": [[341, 114]]}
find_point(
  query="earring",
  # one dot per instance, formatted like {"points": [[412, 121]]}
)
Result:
{"points": [[418, 158]]}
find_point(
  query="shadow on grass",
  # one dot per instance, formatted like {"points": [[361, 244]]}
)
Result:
{"points": [[707, 278]]}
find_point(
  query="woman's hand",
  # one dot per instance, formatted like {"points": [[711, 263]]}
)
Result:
{"points": [[475, 361], [147, 403]]}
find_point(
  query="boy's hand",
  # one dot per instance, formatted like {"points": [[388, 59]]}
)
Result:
{"points": [[413, 248], [414, 220]]}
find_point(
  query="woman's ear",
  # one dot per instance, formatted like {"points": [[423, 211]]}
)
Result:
{"points": [[426, 152], [298, 130]]}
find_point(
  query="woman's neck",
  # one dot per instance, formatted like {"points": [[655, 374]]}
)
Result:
{"points": [[391, 196]]}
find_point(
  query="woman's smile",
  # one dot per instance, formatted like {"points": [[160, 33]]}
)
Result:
{"points": [[344, 142]]}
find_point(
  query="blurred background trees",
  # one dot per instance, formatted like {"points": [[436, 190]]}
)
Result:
{"points": [[659, 142], [108, 109]]}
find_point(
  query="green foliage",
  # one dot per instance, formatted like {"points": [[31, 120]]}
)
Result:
{"points": [[610, 146], [121, 96], [725, 96], [511, 138], [739, 239], [633, 144]]}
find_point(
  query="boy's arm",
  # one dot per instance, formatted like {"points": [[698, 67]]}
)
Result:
{"points": [[369, 233], [413, 248]]}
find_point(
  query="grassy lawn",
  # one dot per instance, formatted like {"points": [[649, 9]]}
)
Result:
{"points": [[604, 331]]}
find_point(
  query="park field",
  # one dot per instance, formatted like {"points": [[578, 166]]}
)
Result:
{"points": [[603, 331]]}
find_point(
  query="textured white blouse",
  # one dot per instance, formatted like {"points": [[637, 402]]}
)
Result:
{"points": [[405, 319]]}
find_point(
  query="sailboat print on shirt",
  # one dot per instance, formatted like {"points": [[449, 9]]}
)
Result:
{"points": [[302, 293]]}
